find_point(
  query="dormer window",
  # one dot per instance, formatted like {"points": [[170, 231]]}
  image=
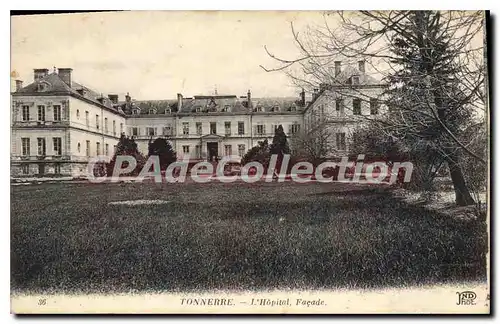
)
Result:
{"points": [[226, 108], [258, 109], [355, 80], [42, 86], [198, 109], [152, 111], [275, 108], [135, 111], [168, 110]]}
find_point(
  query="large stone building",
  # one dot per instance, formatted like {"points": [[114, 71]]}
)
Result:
{"points": [[348, 101], [59, 124]]}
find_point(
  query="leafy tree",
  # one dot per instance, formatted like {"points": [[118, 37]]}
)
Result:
{"points": [[163, 149], [377, 145], [260, 153], [279, 146], [128, 147], [280, 142]]}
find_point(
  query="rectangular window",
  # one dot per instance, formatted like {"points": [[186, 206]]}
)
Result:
{"points": [[355, 80], [185, 149], [41, 146], [241, 128], [374, 104], [57, 168], [87, 149], [361, 66], [106, 124], [260, 129], [26, 113], [227, 127], [198, 128], [339, 107], [41, 113], [114, 127], [87, 121], [57, 113], [98, 148], [135, 131], [295, 128], [97, 121], [337, 68], [213, 128], [167, 130], [57, 145], [185, 128], [151, 131], [107, 149], [356, 106], [228, 149], [241, 150], [25, 169], [25, 146], [198, 151], [340, 139]]}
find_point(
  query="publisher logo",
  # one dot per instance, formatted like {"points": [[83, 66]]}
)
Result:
{"points": [[466, 298]]}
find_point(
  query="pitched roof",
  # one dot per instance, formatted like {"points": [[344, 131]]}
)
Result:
{"points": [[211, 103], [284, 103], [56, 85], [345, 76]]}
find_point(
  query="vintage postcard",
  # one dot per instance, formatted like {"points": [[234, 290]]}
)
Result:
{"points": [[250, 162]]}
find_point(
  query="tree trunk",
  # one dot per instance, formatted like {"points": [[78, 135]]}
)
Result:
{"points": [[462, 194]]}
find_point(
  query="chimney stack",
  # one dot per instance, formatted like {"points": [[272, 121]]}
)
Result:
{"points": [[303, 98], [65, 75], [40, 74], [315, 93], [179, 102], [19, 85], [361, 66], [338, 68], [249, 99]]}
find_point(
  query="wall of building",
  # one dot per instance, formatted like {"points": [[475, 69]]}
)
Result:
{"points": [[78, 109], [323, 113], [179, 140], [72, 129]]}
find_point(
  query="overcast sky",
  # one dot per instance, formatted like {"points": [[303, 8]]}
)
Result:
{"points": [[155, 55]]}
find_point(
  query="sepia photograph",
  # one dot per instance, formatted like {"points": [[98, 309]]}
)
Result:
{"points": [[250, 162]]}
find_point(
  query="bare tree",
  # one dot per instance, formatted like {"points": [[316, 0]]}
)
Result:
{"points": [[318, 139], [313, 144], [432, 63]]}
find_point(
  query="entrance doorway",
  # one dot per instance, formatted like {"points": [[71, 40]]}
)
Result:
{"points": [[212, 150]]}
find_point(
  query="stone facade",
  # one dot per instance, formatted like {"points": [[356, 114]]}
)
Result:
{"points": [[58, 124]]}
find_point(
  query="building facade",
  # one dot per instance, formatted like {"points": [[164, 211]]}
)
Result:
{"points": [[338, 108], [58, 125]]}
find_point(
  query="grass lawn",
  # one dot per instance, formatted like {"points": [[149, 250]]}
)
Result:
{"points": [[67, 238]]}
